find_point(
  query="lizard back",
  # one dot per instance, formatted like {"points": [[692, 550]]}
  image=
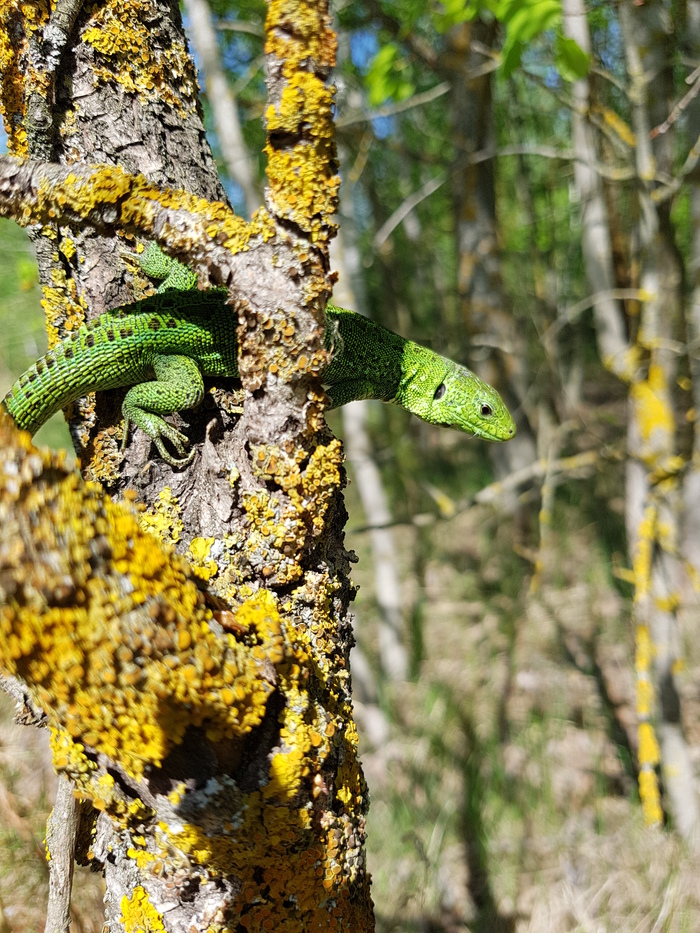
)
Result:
{"points": [[117, 349]]}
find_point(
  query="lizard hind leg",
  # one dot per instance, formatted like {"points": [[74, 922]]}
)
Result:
{"points": [[178, 385]]}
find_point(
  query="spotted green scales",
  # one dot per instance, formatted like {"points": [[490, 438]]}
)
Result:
{"points": [[164, 345]]}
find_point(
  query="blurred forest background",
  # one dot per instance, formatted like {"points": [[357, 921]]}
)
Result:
{"points": [[521, 192]]}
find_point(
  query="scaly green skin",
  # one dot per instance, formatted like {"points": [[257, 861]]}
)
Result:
{"points": [[181, 334]]}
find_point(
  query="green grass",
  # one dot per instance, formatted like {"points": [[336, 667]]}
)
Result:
{"points": [[22, 333]]}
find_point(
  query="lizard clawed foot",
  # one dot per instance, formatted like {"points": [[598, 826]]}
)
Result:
{"points": [[179, 441], [157, 429]]}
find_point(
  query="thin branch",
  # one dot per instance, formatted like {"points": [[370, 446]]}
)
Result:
{"points": [[690, 164], [433, 184], [27, 712], [422, 49], [111, 199], [577, 463], [61, 835], [389, 110], [676, 111], [570, 314], [550, 152], [242, 82], [610, 77], [252, 29], [388, 227]]}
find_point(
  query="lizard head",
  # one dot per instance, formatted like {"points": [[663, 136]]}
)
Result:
{"points": [[443, 392]]}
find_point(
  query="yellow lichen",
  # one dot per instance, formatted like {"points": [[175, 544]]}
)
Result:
{"points": [[20, 23], [650, 797], [139, 915], [198, 553], [162, 519], [132, 49], [643, 553], [653, 411], [303, 177], [123, 682], [278, 533]]}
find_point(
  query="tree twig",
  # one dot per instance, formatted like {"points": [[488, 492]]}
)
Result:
{"points": [[61, 835]]}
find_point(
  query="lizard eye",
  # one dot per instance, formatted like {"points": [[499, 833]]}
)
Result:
{"points": [[486, 410], [440, 391]]}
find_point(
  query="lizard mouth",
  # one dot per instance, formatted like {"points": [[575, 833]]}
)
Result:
{"points": [[485, 432]]}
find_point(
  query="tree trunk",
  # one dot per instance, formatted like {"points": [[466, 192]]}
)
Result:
{"points": [[497, 354], [653, 491], [197, 685], [596, 241]]}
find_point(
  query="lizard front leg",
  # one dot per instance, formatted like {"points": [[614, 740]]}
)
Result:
{"points": [[157, 265], [178, 385]]}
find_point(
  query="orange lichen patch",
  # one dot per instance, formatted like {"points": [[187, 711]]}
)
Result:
{"points": [[644, 552], [350, 785], [102, 448], [109, 629], [67, 247], [279, 533], [302, 192], [303, 177], [63, 307], [300, 866], [139, 915], [135, 52], [294, 876], [283, 351], [305, 181], [303, 93], [650, 797], [129, 202], [295, 843]]}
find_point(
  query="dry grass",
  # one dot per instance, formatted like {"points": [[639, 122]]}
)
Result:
{"points": [[505, 798], [27, 787]]}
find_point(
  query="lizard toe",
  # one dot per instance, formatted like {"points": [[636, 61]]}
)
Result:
{"points": [[168, 457], [179, 441]]}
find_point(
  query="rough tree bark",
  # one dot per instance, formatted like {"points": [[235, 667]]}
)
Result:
{"points": [[191, 658]]}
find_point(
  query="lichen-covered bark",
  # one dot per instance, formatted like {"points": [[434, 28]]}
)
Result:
{"points": [[193, 657], [120, 90], [653, 493]]}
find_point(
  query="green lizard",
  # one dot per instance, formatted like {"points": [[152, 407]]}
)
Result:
{"points": [[180, 334]]}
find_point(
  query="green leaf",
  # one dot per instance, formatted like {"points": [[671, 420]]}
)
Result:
{"points": [[572, 62], [452, 12], [524, 20], [386, 77], [512, 56]]}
